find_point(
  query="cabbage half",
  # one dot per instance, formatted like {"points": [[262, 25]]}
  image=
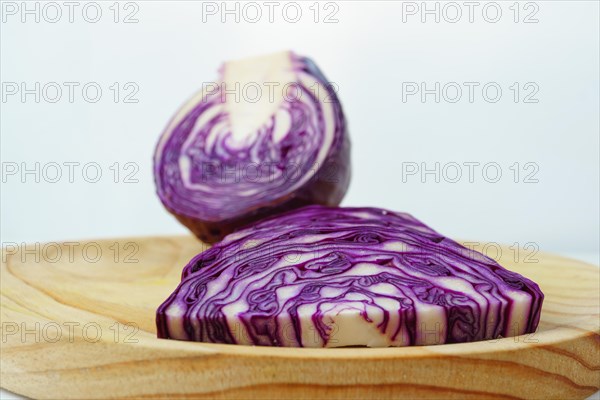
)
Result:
{"points": [[267, 137]]}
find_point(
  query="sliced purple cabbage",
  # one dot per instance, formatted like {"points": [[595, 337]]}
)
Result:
{"points": [[331, 277], [267, 137]]}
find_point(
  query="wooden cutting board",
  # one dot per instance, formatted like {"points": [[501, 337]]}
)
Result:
{"points": [[79, 324]]}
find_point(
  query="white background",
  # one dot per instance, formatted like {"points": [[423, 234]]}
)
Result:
{"points": [[368, 53]]}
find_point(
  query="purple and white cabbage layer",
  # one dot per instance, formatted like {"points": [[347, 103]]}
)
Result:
{"points": [[267, 137], [331, 277]]}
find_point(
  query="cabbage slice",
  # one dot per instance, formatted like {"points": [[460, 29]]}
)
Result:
{"points": [[333, 277]]}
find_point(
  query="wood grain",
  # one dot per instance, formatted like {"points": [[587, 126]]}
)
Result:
{"points": [[64, 290]]}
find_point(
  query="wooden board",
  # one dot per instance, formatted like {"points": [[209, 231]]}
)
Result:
{"points": [[88, 299]]}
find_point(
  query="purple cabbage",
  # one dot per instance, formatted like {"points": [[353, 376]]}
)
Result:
{"points": [[331, 277], [267, 137]]}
